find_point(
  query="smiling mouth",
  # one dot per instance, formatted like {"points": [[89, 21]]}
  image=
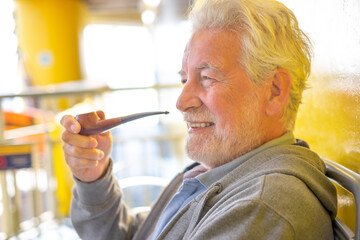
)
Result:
{"points": [[199, 125]]}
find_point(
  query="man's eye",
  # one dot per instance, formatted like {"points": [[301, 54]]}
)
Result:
{"points": [[183, 81], [207, 78]]}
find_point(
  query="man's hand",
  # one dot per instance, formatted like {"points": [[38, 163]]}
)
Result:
{"points": [[87, 156]]}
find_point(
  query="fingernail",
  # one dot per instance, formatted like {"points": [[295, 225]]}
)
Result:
{"points": [[73, 128], [93, 142]]}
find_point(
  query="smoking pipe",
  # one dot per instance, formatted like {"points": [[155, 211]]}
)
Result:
{"points": [[91, 123]]}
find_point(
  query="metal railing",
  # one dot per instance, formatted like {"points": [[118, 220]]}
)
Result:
{"points": [[44, 202]]}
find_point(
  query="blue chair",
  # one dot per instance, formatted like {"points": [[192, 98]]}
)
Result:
{"points": [[350, 181]]}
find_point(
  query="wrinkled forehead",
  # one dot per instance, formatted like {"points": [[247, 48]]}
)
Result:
{"points": [[216, 46]]}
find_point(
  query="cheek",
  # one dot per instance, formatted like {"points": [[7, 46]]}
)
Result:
{"points": [[224, 106]]}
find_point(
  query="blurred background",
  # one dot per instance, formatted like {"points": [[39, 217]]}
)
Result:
{"points": [[123, 56]]}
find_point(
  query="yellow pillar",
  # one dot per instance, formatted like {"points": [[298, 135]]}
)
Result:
{"points": [[48, 34], [62, 174]]}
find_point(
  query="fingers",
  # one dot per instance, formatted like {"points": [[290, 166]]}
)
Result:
{"points": [[80, 163], [83, 153], [87, 156], [70, 124], [80, 151], [79, 140], [82, 158]]}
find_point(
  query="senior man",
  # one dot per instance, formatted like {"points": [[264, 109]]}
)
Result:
{"points": [[243, 73]]}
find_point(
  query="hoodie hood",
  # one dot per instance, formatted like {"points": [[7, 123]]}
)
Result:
{"points": [[296, 160]]}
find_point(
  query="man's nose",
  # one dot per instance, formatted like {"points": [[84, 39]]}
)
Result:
{"points": [[189, 97]]}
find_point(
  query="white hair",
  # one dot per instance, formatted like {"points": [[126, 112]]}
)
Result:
{"points": [[270, 38]]}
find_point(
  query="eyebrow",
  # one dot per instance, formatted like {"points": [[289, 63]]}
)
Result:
{"points": [[202, 66], [208, 65]]}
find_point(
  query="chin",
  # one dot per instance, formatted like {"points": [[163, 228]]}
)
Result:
{"points": [[208, 158], [213, 152]]}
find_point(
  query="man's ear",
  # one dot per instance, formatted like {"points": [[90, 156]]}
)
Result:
{"points": [[279, 91]]}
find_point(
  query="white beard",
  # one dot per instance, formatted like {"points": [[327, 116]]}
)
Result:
{"points": [[224, 145]]}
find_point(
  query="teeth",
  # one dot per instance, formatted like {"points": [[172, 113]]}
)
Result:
{"points": [[197, 125]]}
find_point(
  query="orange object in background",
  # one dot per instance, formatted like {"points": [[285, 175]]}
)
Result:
{"points": [[15, 120], [27, 118]]}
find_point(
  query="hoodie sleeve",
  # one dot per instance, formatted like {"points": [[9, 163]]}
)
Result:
{"points": [[98, 212]]}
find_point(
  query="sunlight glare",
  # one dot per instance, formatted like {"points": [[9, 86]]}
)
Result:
{"points": [[8, 48]]}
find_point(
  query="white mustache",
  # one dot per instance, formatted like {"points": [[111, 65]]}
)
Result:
{"points": [[199, 115]]}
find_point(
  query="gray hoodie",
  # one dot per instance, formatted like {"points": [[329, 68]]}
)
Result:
{"points": [[280, 193]]}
